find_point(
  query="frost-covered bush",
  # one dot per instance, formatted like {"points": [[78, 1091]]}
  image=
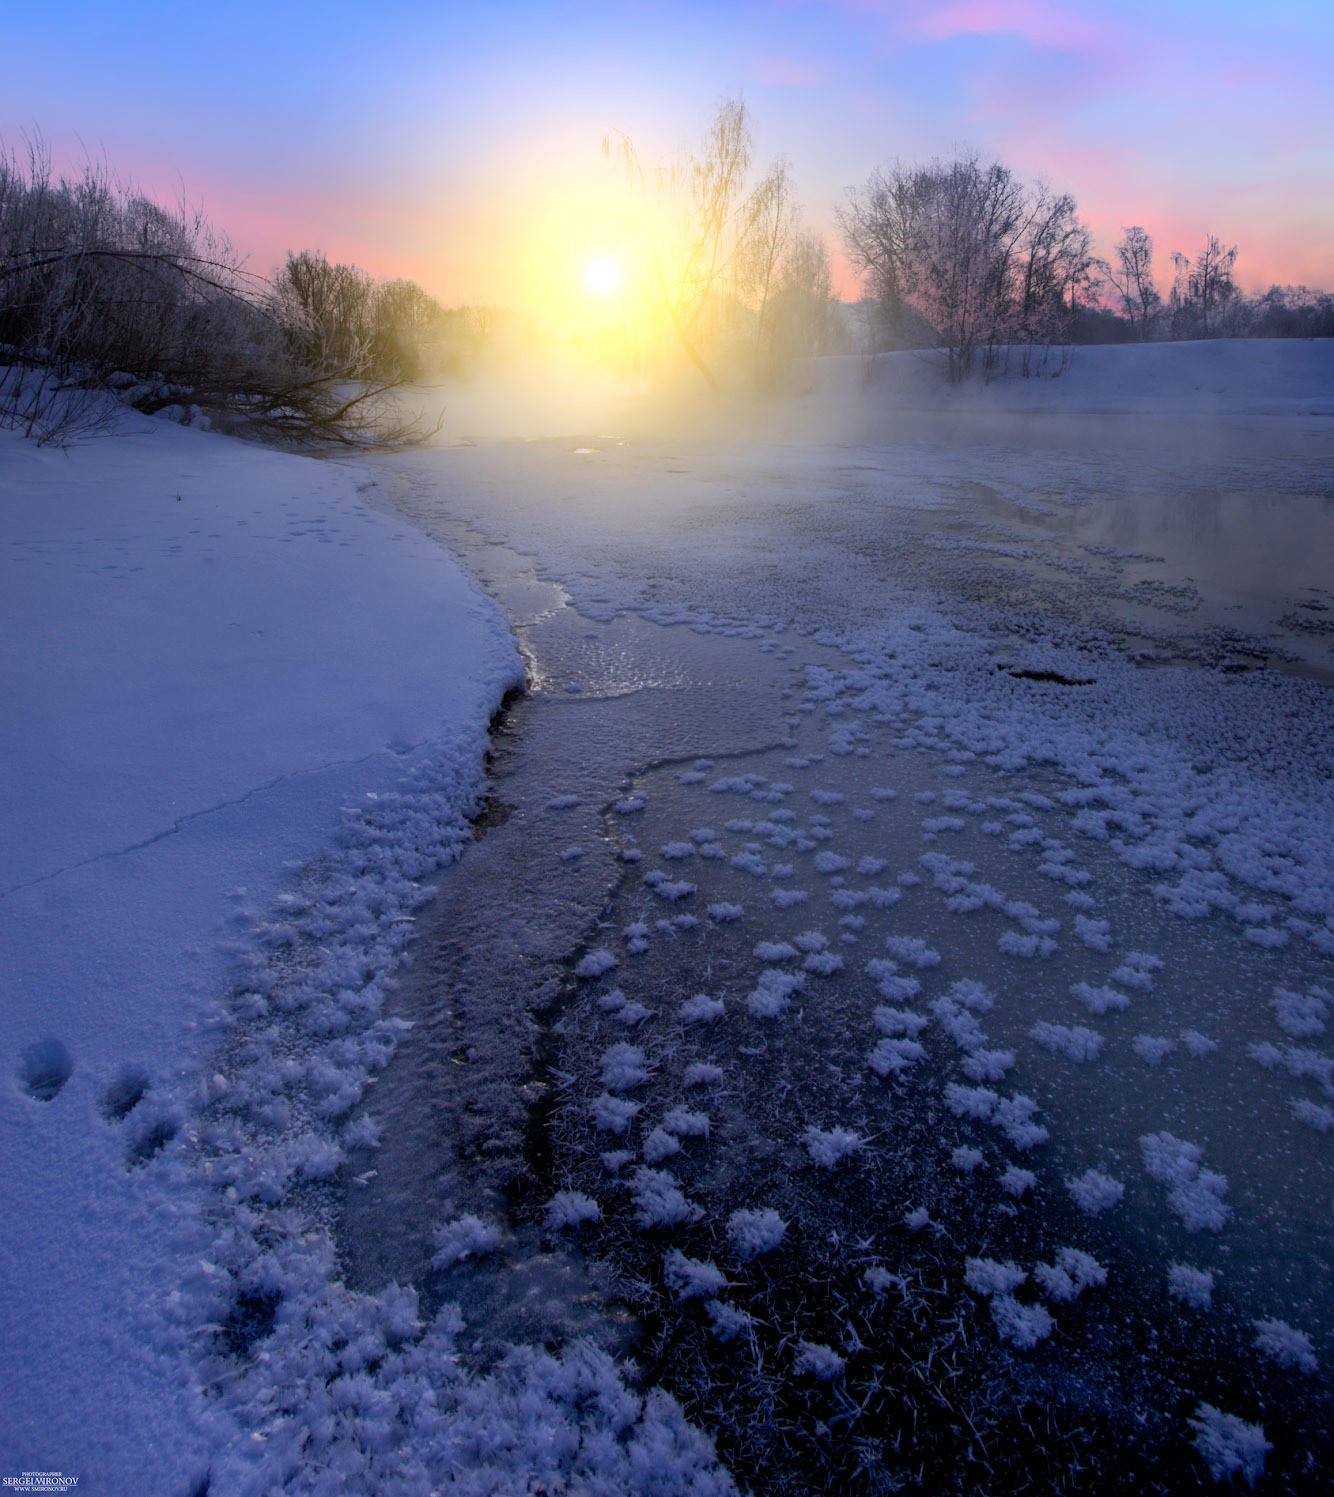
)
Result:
{"points": [[723, 912], [970, 1101], [702, 1009], [987, 1276], [966, 1158], [623, 1067], [755, 1232], [613, 1114], [1077, 1043], [1286, 1345], [1229, 1446], [773, 993], [701, 1073], [1095, 1192], [727, 1321], [823, 963], [893, 1057], [1095, 934], [1137, 970], [1197, 1044], [972, 995], [889, 984], [987, 1065], [1025, 944], [1103, 1000], [899, 1021], [912, 951], [1017, 1182], [1301, 1015], [1014, 1117], [1152, 1048], [684, 1123], [660, 1145], [632, 1013], [1314, 1114]]}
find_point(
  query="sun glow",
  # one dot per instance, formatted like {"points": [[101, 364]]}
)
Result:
{"points": [[603, 276]]}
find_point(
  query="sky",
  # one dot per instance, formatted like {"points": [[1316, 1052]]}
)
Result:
{"points": [[462, 145]]}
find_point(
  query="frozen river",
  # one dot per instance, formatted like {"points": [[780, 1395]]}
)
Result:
{"points": [[901, 942]]}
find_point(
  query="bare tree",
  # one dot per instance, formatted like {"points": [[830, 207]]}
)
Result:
{"points": [[965, 246], [699, 218], [1131, 276], [883, 233], [1055, 271]]}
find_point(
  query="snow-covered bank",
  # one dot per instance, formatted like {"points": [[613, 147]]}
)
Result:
{"points": [[209, 650]]}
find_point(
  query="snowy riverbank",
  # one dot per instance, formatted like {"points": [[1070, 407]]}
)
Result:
{"points": [[209, 650]]}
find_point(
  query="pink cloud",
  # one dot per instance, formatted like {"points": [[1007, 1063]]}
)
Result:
{"points": [[1043, 25], [791, 72], [1038, 22]]}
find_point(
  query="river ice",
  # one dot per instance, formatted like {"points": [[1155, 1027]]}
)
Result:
{"points": [[922, 841]]}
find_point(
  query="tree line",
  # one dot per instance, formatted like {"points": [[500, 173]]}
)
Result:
{"points": [[101, 287], [963, 254], [956, 253]]}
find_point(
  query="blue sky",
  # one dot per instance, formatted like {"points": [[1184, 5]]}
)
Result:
{"points": [[431, 139]]}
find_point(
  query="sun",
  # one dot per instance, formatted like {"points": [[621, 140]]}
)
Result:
{"points": [[603, 276]]}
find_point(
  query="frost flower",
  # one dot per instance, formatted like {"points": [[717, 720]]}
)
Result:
{"points": [[817, 1361], [692, 1278], [755, 1232], [595, 964], [571, 1208], [1095, 1192], [1023, 1326], [1192, 1286], [828, 1148], [1286, 1345], [1229, 1446]]}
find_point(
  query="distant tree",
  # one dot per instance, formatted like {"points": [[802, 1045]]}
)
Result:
{"points": [[1131, 276], [1292, 312], [771, 219], [1204, 294], [801, 308]]}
